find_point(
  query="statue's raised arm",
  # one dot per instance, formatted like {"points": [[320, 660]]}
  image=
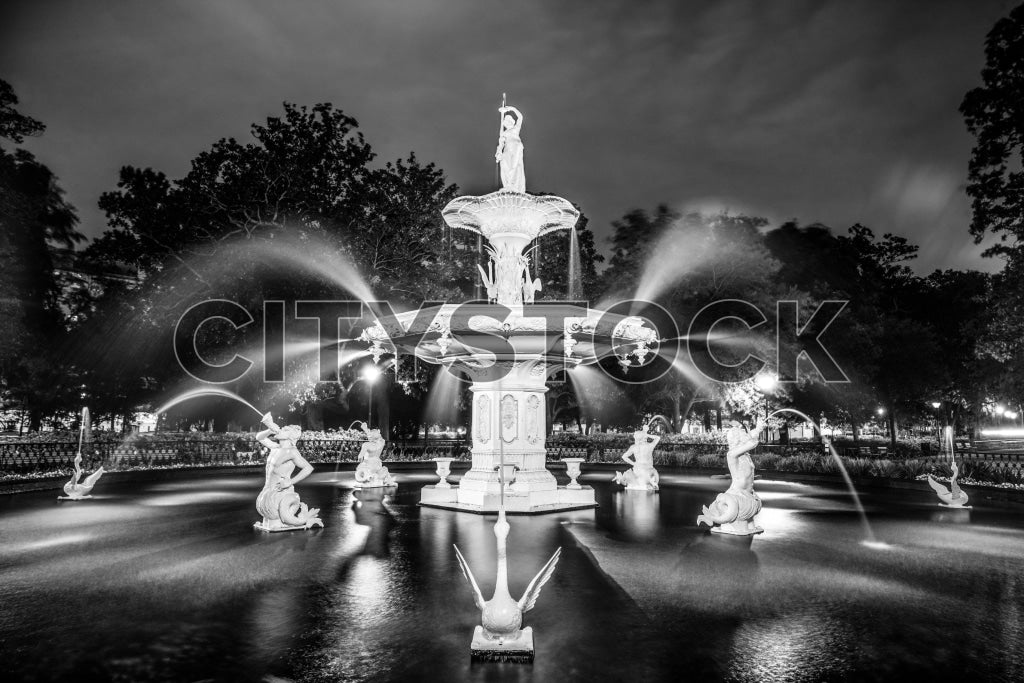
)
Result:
{"points": [[518, 122]]}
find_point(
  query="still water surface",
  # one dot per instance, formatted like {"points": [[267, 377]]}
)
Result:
{"points": [[167, 581]]}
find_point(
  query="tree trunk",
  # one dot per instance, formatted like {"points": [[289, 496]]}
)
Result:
{"points": [[892, 428], [677, 414], [718, 417], [384, 410]]}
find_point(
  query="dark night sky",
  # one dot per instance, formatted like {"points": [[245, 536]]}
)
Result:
{"points": [[838, 112]]}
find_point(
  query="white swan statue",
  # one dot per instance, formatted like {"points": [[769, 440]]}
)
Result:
{"points": [[75, 490], [955, 498], [500, 637]]}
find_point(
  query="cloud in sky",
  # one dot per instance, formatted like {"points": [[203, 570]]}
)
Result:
{"points": [[838, 112]]}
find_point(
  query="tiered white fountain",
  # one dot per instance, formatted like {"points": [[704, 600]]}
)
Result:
{"points": [[508, 412]]}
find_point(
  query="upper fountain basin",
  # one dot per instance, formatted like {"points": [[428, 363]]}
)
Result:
{"points": [[510, 214]]}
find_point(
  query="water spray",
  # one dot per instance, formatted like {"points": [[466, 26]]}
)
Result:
{"points": [[870, 540], [196, 393]]}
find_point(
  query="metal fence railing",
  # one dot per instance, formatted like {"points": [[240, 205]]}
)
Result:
{"points": [[28, 457]]}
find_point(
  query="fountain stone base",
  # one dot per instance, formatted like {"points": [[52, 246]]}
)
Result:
{"points": [[519, 648], [738, 528], [374, 485], [275, 525], [508, 426], [563, 498]]}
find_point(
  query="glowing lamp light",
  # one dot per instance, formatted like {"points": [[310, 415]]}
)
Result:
{"points": [[765, 382], [881, 411], [1000, 410], [1012, 414], [936, 405], [371, 373]]}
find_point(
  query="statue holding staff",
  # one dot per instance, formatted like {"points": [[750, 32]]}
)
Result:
{"points": [[509, 153]]}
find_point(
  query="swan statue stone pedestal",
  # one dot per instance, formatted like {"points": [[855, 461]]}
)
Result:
{"points": [[500, 636], [953, 497]]}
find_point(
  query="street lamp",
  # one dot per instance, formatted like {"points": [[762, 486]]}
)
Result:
{"points": [[765, 382], [370, 374], [938, 415]]}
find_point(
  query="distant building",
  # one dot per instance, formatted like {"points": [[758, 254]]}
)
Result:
{"points": [[83, 280]]}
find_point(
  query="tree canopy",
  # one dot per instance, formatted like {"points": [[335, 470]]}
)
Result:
{"points": [[994, 113], [34, 217]]}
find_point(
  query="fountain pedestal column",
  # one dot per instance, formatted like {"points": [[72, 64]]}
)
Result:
{"points": [[509, 423]]}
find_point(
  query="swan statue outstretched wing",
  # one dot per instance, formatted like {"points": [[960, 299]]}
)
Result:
{"points": [[529, 598], [954, 498], [477, 595], [940, 489]]}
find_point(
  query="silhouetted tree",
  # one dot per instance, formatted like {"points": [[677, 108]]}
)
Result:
{"points": [[298, 213], [33, 217], [994, 113]]}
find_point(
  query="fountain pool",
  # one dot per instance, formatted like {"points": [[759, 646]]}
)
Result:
{"points": [[166, 580]]}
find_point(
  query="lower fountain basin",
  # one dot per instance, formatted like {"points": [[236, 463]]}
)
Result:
{"points": [[167, 580]]}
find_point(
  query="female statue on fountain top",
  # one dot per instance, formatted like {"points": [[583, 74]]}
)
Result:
{"points": [[278, 502], [509, 154]]}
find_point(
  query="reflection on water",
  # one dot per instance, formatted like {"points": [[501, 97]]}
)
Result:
{"points": [[371, 511], [952, 516], [52, 542], [168, 581], [637, 512], [197, 498], [797, 647]]}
